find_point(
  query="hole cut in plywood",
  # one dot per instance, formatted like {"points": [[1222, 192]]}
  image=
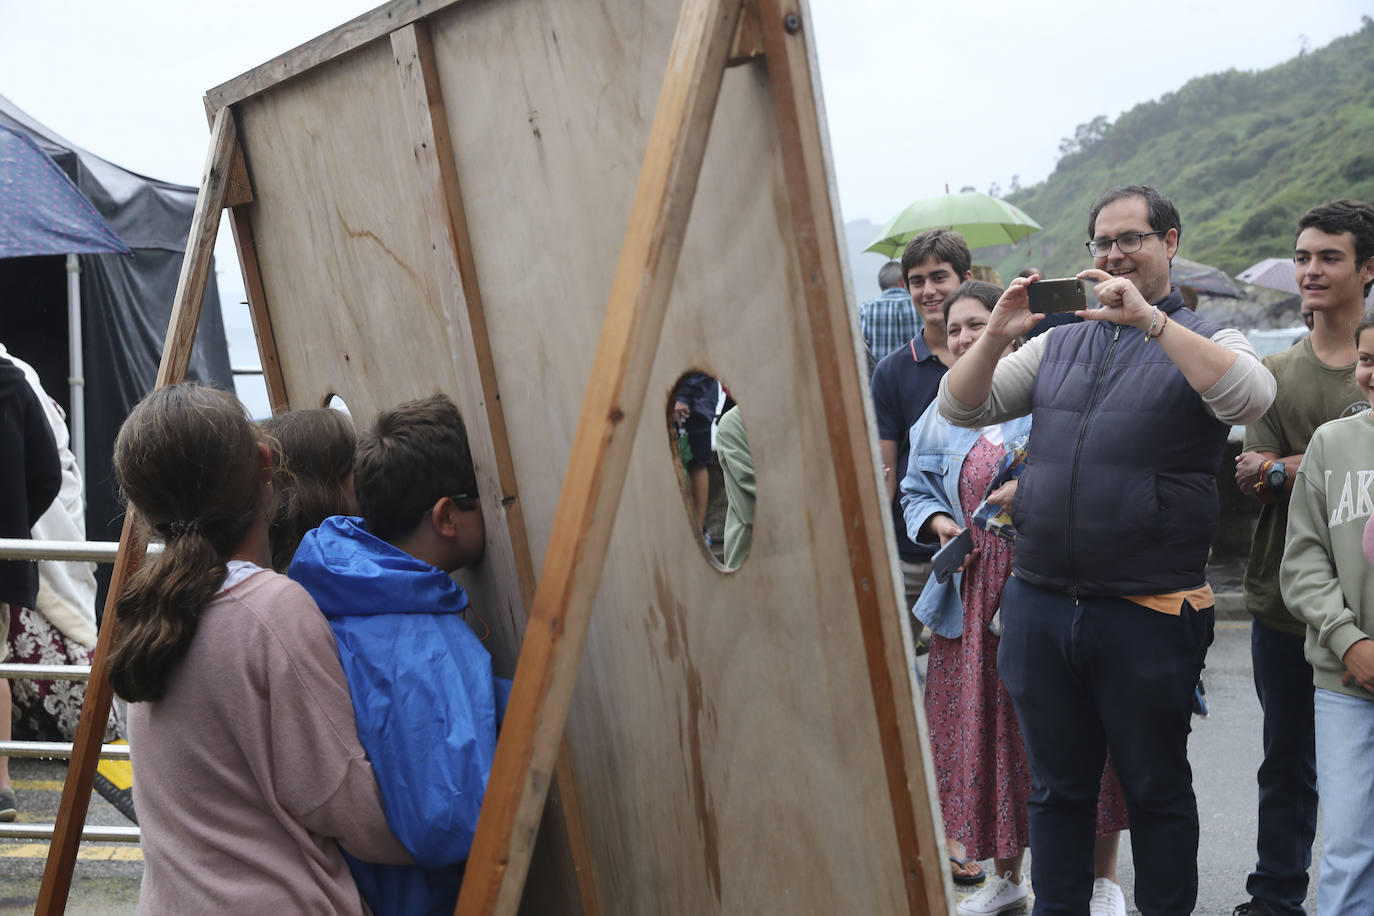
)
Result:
{"points": [[720, 525], [335, 402]]}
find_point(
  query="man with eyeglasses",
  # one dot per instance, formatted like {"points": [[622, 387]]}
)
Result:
{"points": [[1108, 616]]}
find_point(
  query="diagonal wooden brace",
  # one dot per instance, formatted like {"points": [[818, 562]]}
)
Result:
{"points": [[561, 610]]}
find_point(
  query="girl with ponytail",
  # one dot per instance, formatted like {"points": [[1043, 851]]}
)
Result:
{"points": [[248, 773]]}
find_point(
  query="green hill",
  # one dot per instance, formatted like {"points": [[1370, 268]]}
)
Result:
{"points": [[1242, 154]]}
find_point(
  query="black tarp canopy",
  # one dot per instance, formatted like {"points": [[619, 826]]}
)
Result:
{"points": [[126, 306]]}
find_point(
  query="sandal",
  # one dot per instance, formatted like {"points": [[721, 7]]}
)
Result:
{"points": [[957, 863]]}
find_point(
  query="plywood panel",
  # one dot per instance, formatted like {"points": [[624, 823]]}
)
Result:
{"points": [[723, 735], [756, 695]]}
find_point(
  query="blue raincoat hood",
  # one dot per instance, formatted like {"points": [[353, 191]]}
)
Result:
{"points": [[425, 699], [350, 572]]}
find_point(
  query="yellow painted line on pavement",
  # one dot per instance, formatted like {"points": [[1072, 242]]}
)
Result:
{"points": [[92, 853], [38, 785], [119, 772]]}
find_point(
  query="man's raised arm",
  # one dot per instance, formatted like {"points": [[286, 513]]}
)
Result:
{"points": [[969, 394]]}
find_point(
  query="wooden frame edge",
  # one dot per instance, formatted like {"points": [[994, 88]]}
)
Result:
{"points": [[355, 33], [417, 70], [805, 163]]}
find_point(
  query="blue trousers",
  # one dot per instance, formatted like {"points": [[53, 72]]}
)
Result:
{"points": [[1345, 764], [1097, 674], [1288, 775]]}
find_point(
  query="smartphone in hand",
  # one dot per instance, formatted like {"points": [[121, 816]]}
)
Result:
{"points": [[951, 556], [1048, 296]]}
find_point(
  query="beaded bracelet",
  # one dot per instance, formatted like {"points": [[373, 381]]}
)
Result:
{"points": [[1152, 334], [1162, 325], [1149, 332]]}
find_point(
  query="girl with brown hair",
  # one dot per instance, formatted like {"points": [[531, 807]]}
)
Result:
{"points": [[248, 773], [313, 474]]}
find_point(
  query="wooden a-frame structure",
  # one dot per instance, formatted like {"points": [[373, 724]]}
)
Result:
{"points": [[738, 740]]}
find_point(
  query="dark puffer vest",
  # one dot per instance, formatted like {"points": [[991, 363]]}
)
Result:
{"points": [[1119, 496]]}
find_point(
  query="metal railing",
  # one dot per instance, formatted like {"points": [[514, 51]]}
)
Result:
{"points": [[93, 552], [89, 833], [90, 551]]}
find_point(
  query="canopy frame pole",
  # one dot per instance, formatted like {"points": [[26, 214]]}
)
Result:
{"points": [[76, 370]]}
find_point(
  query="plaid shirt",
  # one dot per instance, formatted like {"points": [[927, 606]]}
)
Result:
{"points": [[887, 323]]}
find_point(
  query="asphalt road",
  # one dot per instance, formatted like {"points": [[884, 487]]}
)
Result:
{"points": [[106, 879], [1224, 750]]}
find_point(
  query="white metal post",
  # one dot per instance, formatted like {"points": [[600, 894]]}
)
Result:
{"points": [[76, 378]]}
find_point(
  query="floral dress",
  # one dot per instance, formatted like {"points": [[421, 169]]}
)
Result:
{"points": [[980, 760], [46, 710]]}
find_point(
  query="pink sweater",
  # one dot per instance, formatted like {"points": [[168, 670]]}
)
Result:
{"points": [[248, 774]]}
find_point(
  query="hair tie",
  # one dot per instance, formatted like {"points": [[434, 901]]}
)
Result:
{"points": [[179, 528]]}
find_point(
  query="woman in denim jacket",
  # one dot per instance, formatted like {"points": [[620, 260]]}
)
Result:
{"points": [[980, 761]]}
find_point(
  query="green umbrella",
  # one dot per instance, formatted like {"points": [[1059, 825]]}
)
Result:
{"points": [[981, 219]]}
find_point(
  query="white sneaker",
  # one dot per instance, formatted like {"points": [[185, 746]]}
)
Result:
{"points": [[1107, 899], [998, 896]]}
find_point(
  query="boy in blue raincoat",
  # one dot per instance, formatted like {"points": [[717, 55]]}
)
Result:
{"points": [[424, 695]]}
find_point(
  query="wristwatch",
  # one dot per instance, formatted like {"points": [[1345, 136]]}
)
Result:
{"points": [[1276, 476]]}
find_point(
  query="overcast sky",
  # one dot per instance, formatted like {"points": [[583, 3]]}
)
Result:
{"points": [[918, 95]]}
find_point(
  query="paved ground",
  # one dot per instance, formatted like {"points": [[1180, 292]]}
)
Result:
{"points": [[1224, 750], [107, 874]]}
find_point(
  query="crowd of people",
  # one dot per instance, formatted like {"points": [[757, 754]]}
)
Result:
{"points": [[1065, 650], [314, 720]]}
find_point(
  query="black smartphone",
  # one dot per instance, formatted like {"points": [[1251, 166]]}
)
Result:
{"points": [[951, 556], [1047, 296]]}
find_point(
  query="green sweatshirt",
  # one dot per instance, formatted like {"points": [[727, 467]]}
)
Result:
{"points": [[1327, 581]]}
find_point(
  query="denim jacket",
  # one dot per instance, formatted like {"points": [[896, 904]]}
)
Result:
{"points": [[931, 485]]}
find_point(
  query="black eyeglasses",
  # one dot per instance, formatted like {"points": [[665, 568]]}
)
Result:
{"points": [[1130, 242], [465, 501]]}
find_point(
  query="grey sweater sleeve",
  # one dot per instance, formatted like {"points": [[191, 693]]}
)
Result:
{"points": [[1247, 389], [1010, 396], [1240, 396]]}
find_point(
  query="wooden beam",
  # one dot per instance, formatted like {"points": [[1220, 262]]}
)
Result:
{"points": [[239, 195], [240, 188], [441, 200], [176, 357], [559, 616], [748, 43], [806, 166], [268, 358], [200, 249], [355, 33]]}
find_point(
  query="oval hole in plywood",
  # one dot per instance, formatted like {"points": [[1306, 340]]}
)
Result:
{"points": [[334, 402], [716, 477]]}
